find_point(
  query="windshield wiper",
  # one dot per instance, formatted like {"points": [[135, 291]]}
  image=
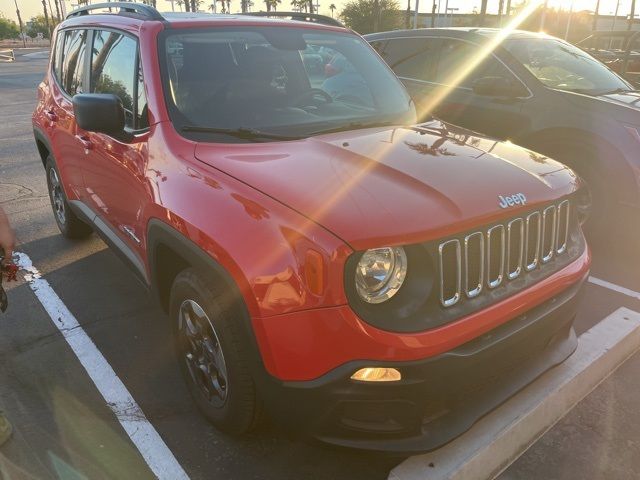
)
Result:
{"points": [[243, 133], [617, 90], [354, 126]]}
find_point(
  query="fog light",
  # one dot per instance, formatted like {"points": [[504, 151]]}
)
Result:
{"points": [[377, 374]]}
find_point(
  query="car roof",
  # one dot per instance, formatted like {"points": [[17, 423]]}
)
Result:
{"points": [[189, 19], [468, 33]]}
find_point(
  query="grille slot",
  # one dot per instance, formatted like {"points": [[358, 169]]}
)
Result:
{"points": [[503, 252], [495, 255], [474, 264], [450, 272], [515, 247], [532, 241], [549, 215], [562, 237]]}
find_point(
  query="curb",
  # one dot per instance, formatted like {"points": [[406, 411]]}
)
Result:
{"points": [[498, 439]]}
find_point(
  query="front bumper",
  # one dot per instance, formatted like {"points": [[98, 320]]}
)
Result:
{"points": [[439, 397]]}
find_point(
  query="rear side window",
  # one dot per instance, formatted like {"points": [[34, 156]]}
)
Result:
{"points": [[113, 70], [411, 57], [56, 63], [73, 58]]}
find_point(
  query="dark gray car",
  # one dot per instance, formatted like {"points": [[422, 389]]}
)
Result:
{"points": [[535, 90]]}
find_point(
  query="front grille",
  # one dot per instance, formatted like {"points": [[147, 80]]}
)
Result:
{"points": [[483, 260]]}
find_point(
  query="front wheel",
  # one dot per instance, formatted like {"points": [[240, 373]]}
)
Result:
{"points": [[210, 352], [68, 222]]}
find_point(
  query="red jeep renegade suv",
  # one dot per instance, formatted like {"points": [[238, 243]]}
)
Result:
{"points": [[370, 282]]}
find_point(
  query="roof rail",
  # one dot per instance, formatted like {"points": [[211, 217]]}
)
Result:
{"points": [[141, 9], [301, 16]]}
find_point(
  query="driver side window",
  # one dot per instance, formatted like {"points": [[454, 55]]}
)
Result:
{"points": [[113, 69], [459, 65]]}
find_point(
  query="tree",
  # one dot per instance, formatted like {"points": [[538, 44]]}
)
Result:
{"points": [[180, 3], [223, 5], [332, 7], [361, 15], [38, 24], [8, 28]]}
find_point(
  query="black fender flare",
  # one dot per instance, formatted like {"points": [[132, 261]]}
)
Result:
{"points": [[41, 137], [160, 233]]}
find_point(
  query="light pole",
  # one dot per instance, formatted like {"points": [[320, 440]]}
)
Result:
{"points": [[566, 33], [595, 16], [543, 15], [415, 15], [615, 16]]}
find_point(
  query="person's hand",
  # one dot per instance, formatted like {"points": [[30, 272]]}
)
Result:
{"points": [[7, 237], [7, 242]]}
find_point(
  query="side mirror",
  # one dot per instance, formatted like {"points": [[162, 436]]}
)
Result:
{"points": [[99, 112], [498, 87]]}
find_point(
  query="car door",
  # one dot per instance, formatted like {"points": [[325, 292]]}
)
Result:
{"points": [[115, 167], [69, 79], [460, 66]]}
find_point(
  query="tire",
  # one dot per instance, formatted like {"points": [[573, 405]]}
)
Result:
{"points": [[582, 161], [68, 222], [211, 354]]}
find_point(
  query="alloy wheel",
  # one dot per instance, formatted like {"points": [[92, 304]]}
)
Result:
{"points": [[57, 197], [202, 353]]}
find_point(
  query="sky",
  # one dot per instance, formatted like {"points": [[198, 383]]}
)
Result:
{"points": [[30, 8]]}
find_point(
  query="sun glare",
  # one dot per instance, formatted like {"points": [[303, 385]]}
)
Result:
{"points": [[460, 74], [453, 81]]}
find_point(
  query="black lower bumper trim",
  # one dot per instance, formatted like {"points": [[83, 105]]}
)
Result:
{"points": [[438, 398]]}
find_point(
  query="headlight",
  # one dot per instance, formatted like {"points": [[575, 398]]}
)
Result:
{"points": [[380, 273]]}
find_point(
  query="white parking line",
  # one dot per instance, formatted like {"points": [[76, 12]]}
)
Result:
{"points": [[160, 459], [499, 438], [614, 287]]}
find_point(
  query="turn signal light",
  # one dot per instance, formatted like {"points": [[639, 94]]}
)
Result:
{"points": [[377, 374], [314, 272]]}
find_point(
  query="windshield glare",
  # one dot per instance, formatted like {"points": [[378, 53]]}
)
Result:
{"points": [[279, 80], [560, 65]]}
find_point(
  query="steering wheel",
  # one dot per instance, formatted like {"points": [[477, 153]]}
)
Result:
{"points": [[311, 94]]}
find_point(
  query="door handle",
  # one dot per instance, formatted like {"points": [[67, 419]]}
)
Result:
{"points": [[51, 115], [86, 143]]}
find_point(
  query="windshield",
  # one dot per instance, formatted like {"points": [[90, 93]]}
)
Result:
{"points": [[560, 65], [277, 81]]}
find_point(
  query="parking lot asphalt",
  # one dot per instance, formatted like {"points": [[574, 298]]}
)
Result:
{"points": [[64, 429]]}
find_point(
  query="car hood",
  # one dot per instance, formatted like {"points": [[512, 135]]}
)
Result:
{"points": [[391, 186], [620, 107], [627, 99]]}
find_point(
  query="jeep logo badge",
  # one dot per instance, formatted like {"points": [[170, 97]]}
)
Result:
{"points": [[511, 200]]}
